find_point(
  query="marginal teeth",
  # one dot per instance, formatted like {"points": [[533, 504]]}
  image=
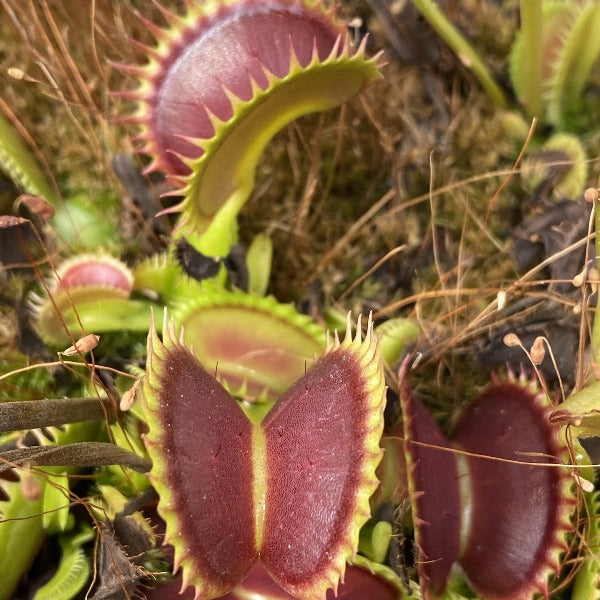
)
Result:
{"points": [[158, 32], [172, 19], [134, 70]]}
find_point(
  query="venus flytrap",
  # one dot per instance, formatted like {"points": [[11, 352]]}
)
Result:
{"points": [[88, 294], [374, 540], [562, 160], [395, 336], [207, 126], [480, 499], [328, 422], [254, 345]]}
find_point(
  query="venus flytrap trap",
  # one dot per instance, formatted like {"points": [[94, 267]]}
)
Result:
{"points": [[257, 345], [486, 498], [308, 466], [395, 336], [73, 570], [86, 291], [89, 294], [206, 127], [559, 163], [568, 50], [363, 577]]}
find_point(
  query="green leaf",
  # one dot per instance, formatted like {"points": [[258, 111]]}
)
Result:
{"points": [[258, 261], [575, 62], [394, 337], [461, 47], [17, 160], [21, 533], [374, 540], [55, 503], [586, 585]]}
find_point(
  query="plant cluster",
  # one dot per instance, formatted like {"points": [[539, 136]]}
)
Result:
{"points": [[243, 451]]}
